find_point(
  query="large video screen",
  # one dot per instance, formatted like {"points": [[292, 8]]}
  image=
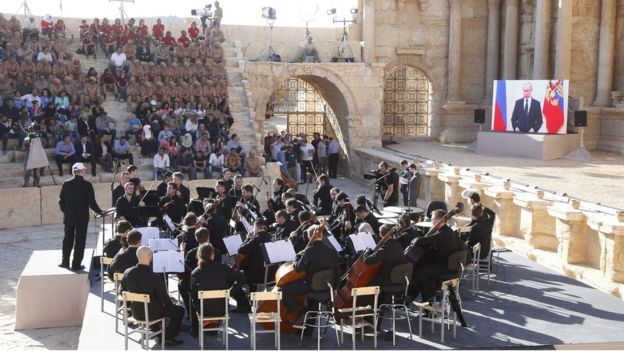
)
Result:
{"points": [[530, 106]]}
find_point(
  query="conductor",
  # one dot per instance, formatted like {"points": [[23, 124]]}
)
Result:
{"points": [[75, 199], [527, 112]]}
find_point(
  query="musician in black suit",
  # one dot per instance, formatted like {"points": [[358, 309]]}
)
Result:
{"points": [[527, 112], [183, 191], [120, 241], [480, 229], [213, 275], [249, 200], [285, 225], [75, 199], [366, 217], [336, 209], [216, 224], [254, 271], [127, 206], [298, 237], [322, 196], [315, 258], [293, 206], [236, 191], [86, 153], [120, 190], [279, 187], [408, 232], [127, 258], [343, 224], [441, 245], [140, 279], [161, 190], [172, 204], [226, 206]]}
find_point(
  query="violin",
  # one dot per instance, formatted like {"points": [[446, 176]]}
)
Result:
{"points": [[241, 261], [219, 200]]}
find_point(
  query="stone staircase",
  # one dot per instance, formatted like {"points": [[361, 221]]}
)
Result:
{"points": [[245, 124]]}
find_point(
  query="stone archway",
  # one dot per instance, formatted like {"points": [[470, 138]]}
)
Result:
{"points": [[407, 103], [351, 126]]}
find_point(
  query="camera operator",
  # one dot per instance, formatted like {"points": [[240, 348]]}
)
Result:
{"points": [[391, 178]]}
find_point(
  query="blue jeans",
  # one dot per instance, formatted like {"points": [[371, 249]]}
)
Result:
{"points": [[212, 169]]}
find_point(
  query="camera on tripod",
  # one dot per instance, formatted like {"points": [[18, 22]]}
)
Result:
{"points": [[378, 177], [204, 15]]}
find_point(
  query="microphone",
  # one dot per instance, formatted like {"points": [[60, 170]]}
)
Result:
{"points": [[255, 186]]}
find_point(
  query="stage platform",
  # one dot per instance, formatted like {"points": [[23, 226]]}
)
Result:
{"points": [[525, 306], [50, 296], [536, 146]]}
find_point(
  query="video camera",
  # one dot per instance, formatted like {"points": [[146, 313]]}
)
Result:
{"points": [[378, 177], [204, 15]]}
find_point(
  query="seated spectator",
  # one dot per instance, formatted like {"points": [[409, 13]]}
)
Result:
{"points": [[91, 73], [47, 26], [5, 128], [62, 102], [87, 44], [71, 127], [121, 150], [162, 53], [201, 164], [161, 163], [30, 29], [84, 28], [46, 97], [148, 143], [10, 110], [121, 87], [184, 40], [203, 144], [64, 153], [233, 162], [144, 51], [253, 165], [193, 31], [158, 30], [134, 128], [24, 52], [103, 125], [118, 60], [85, 153], [173, 148], [108, 80], [104, 153], [215, 162], [164, 135], [169, 40], [234, 143], [59, 28], [191, 124], [17, 132], [186, 163], [45, 55]]}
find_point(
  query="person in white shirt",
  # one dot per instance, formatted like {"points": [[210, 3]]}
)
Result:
{"points": [[30, 29], [333, 151], [307, 154], [161, 163], [45, 55], [118, 60], [215, 162], [191, 124]]}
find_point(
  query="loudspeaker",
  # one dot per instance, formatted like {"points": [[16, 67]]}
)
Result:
{"points": [[580, 118], [479, 116]]}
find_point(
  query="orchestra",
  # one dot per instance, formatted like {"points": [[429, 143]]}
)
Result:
{"points": [[233, 210]]}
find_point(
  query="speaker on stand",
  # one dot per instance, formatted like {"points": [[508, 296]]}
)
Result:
{"points": [[580, 122], [479, 118]]}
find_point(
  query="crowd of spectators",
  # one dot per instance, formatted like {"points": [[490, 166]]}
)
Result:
{"points": [[302, 159]]}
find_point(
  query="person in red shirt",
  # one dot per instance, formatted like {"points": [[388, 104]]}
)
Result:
{"points": [[59, 28], [193, 31], [158, 30], [88, 44], [95, 30], [47, 26], [84, 27], [169, 39], [118, 31], [142, 30], [183, 39]]}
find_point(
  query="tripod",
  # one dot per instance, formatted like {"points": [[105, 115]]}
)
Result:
{"points": [[343, 50], [269, 54], [24, 5]]}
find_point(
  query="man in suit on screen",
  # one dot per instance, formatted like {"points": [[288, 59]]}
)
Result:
{"points": [[527, 112]]}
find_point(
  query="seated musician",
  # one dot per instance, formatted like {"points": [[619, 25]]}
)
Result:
{"points": [[127, 206], [300, 197], [127, 258], [171, 204], [186, 239], [365, 216], [213, 275], [279, 187], [335, 212], [344, 223], [252, 247], [322, 197], [114, 245], [120, 188], [480, 229], [249, 200], [236, 191], [226, 206], [161, 190], [441, 245], [294, 207], [183, 191], [315, 258], [227, 178], [214, 221], [202, 235], [407, 232], [298, 237], [361, 200], [285, 225], [140, 279]]}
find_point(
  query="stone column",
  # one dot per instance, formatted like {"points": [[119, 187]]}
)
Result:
{"points": [[431, 188], [454, 51], [542, 35], [510, 50], [564, 40], [536, 225], [491, 57], [368, 31], [611, 234], [452, 193], [507, 214], [571, 234], [606, 53]]}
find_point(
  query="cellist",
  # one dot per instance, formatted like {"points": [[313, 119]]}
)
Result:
{"points": [[316, 257]]}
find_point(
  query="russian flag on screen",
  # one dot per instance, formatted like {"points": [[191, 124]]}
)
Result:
{"points": [[500, 106]]}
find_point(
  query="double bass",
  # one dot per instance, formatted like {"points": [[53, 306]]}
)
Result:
{"points": [[285, 274]]}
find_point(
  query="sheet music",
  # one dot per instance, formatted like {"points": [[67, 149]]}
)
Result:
{"points": [[232, 223], [280, 251], [163, 244], [168, 261], [362, 241], [246, 224], [148, 233], [332, 240], [169, 222], [232, 244]]}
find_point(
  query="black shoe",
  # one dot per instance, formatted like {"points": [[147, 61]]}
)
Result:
{"points": [[78, 268], [241, 310], [173, 342], [387, 335], [64, 265]]}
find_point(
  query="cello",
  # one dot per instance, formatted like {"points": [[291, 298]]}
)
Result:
{"points": [[359, 275], [285, 274]]}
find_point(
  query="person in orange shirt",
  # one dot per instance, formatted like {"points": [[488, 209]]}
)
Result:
{"points": [[193, 31]]}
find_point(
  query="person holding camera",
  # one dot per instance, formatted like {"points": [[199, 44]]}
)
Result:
{"points": [[391, 178]]}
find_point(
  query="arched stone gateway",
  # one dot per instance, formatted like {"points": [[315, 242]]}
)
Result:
{"points": [[353, 91]]}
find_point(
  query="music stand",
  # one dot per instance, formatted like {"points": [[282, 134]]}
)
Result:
{"points": [[107, 213], [205, 192]]}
